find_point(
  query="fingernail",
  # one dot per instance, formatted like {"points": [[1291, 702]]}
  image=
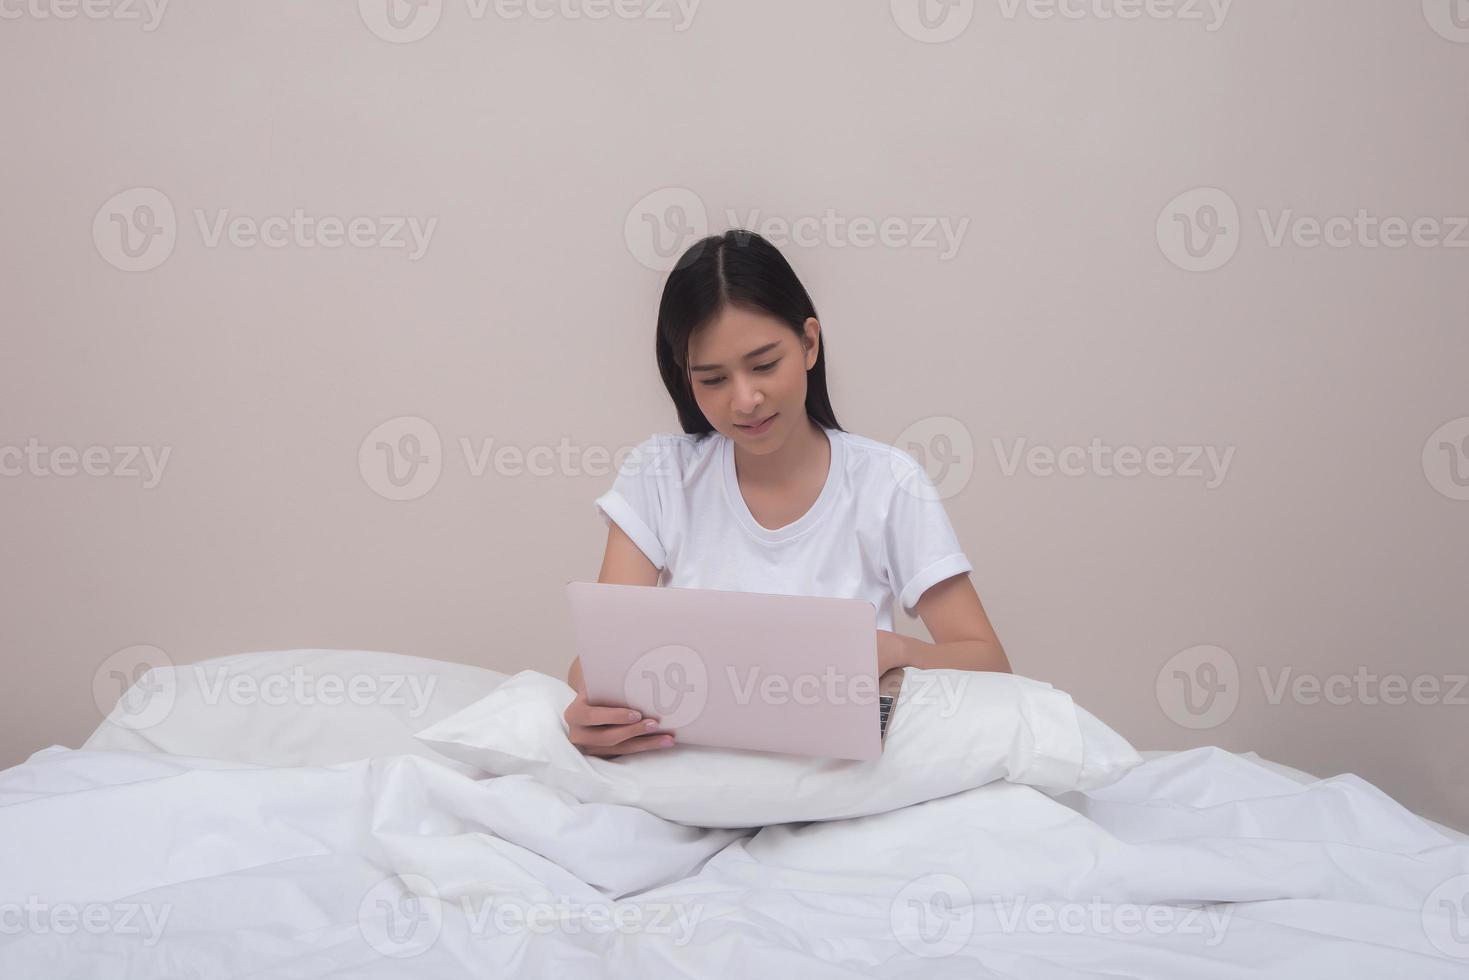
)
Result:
{"points": [[633, 716], [651, 723], [667, 739]]}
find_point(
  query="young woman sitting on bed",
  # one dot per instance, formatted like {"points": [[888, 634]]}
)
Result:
{"points": [[765, 492]]}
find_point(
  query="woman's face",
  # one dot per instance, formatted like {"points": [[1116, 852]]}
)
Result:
{"points": [[747, 367]]}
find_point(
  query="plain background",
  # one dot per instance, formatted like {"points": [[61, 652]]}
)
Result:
{"points": [[550, 148]]}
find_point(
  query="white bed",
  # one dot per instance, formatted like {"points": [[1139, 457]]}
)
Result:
{"points": [[125, 859]]}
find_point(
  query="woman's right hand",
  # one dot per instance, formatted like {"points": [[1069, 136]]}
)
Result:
{"points": [[611, 731]]}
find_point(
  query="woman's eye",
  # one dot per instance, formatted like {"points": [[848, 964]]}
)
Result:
{"points": [[770, 366]]}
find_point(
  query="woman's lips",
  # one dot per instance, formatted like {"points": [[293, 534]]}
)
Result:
{"points": [[761, 427]]}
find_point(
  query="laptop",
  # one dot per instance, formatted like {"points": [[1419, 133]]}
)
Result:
{"points": [[747, 670]]}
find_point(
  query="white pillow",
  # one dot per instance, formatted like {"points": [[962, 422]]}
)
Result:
{"points": [[952, 730], [293, 707]]}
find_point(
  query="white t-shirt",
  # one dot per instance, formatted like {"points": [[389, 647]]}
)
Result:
{"points": [[878, 531]]}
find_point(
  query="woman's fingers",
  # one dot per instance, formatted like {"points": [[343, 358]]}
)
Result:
{"points": [[579, 712], [641, 743], [593, 715], [606, 730], [615, 734]]}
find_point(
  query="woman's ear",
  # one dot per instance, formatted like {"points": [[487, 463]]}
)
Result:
{"points": [[812, 341]]}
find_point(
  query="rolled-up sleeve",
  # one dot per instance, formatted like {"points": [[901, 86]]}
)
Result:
{"points": [[635, 499], [920, 544]]}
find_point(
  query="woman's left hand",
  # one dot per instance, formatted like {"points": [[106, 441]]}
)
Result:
{"points": [[890, 651]]}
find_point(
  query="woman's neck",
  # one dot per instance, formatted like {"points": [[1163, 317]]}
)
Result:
{"points": [[807, 451]]}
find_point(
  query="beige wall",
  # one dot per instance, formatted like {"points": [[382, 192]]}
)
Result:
{"points": [[1066, 157]]}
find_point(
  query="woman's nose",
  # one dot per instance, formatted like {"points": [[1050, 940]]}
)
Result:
{"points": [[748, 402]]}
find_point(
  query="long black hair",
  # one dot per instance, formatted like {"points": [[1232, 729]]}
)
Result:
{"points": [[741, 269]]}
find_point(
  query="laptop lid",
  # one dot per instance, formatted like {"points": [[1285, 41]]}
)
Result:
{"points": [[751, 670]]}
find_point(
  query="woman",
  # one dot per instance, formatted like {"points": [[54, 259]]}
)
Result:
{"points": [[764, 491]]}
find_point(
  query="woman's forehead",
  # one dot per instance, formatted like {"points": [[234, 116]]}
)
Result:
{"points": [[733, 334]]}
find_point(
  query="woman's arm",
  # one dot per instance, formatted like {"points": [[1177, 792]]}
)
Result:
{"points": [[611, 730], [896, 650], [623, 563], [964, 639]]}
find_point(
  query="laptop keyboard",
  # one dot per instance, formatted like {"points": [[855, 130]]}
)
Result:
{"points": [[885, 702]]}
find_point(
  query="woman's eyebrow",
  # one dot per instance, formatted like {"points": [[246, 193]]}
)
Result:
{"points": [[754, 353]]}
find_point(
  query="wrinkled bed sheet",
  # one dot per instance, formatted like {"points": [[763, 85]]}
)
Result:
{"points": [[1196, 864]]}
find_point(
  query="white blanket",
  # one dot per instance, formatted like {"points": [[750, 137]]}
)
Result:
{"points": [[1196, 864]]}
